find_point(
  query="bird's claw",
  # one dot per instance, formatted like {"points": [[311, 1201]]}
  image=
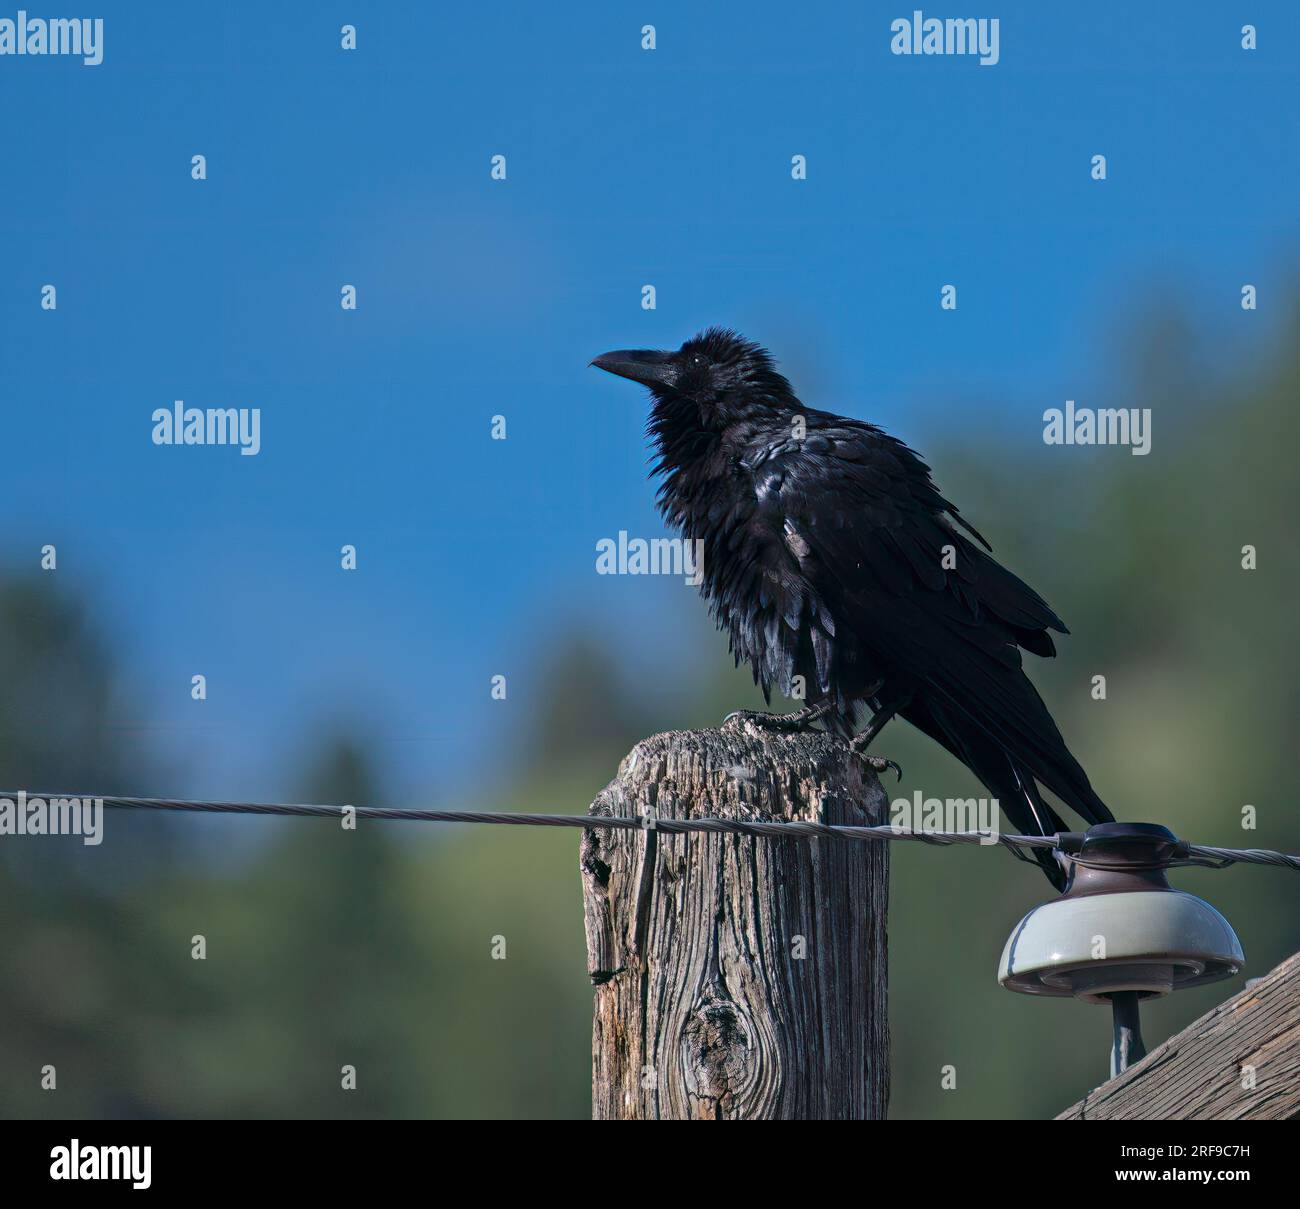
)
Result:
{"points": [[800, 720], [879, 764]]}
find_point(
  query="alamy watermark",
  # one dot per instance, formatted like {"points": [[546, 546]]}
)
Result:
{"points": [[24, 35], [181, 425], [625, 555], [84, 1161], [1099, 426], [919, 813], [53, 816], [922, 35]]}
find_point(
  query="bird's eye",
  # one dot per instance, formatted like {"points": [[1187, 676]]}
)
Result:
{"points": [[697, 361]]}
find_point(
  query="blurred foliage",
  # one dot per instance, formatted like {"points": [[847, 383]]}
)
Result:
{"points": [[374, 948]]}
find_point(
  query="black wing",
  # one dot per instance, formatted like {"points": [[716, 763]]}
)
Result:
{"points": [[900, 569]]}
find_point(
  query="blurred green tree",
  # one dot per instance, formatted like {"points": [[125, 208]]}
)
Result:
{"points": [[447, 966]]}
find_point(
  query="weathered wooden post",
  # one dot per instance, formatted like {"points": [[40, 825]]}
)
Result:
{"points": [[738, 977], [1238, 1062]]}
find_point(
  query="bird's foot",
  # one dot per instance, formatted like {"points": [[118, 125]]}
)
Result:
{"points": [[799, 720], [879, 764], [861, 741]]}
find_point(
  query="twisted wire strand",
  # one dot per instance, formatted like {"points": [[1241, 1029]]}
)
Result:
{"points": [[1190, 854]]}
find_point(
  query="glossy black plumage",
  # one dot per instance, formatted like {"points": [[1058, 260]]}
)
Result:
{"points": [[830, 556]]}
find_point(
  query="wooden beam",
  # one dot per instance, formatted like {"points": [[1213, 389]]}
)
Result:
{"points": [[1240, 1062], [738, 977]]}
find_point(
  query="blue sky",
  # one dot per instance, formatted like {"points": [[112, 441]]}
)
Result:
{"points": [[479, 297]]}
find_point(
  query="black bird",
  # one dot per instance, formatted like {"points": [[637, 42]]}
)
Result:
{"points": [[835, 566]]}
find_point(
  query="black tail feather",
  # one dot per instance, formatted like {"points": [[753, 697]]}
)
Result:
{"points": [[1009, 780]]}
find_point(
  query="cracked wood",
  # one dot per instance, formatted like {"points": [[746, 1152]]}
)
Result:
{"points": [[738, 977], [1239, 1062]]}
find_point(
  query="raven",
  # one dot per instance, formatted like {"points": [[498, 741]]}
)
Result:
{"points": [[844, 578]]}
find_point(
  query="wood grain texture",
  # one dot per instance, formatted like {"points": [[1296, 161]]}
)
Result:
{"points": [[1203, 1073], [738, 977]]}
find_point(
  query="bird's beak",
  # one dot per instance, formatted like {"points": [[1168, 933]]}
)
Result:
{"points": [[643, 365]]}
